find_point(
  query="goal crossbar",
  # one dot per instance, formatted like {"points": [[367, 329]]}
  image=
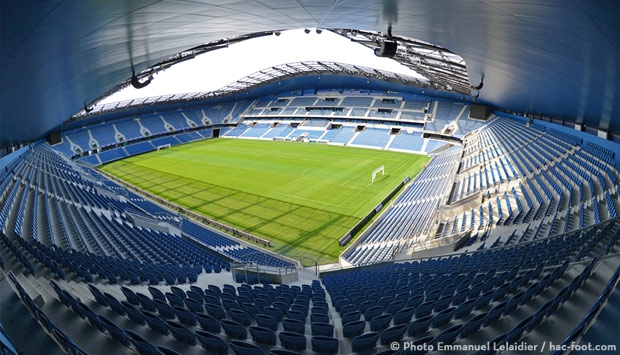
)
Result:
{"points": [[164, 146], [378, 170]]}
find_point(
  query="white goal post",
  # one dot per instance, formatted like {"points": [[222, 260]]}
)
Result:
{"points": [[376, 171], [160, 147]]}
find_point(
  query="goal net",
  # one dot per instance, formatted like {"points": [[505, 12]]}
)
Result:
{"points": [[378, 170], [160, 147]]}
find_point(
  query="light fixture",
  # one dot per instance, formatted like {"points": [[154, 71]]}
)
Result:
{"points": [[479, 86], [306, 30], [276, 32], [136, 83], [387, 48], [319, 31]]}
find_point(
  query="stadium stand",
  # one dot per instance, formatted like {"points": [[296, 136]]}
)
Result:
{"points": [[539, 211], [410, 215]]}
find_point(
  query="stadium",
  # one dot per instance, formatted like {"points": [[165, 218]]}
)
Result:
{"points": [[312, 206]]}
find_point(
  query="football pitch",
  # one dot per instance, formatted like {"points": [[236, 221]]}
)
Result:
{"points": [[303, 197]]}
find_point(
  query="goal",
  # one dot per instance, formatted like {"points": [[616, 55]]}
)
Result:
{"points": [[378, 170], [160, 147]]}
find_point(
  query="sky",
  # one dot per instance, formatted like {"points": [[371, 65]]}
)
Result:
{"points": [[213, 70]]}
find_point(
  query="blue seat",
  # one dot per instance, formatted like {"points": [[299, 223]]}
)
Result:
{"points": [[319, 328], [484, 299], [403, 316], [274, 312], [67, 344], [68, 300], [146, 302], [243, 348], [324, 344], [392, 334], [347, 308], [211, 342], [214, 288], [292, 340], [250, 309], [443, 317], [322, 318], [372, 312], [517, 331], [164, 309], [424, 309], [181, 332], [364, 341], [442, 303], [394, 307], [212, 299], [197, 290], [262, 335], [133, 313], [234, 329], [448, 336], [240, 316], [240, 278], [193, 305], [261, 302], [166, 351], [460, 297], [178, 291], [282, 306], [229, 304], [415, 301], [353, 329], [245, 295], [155, 322], [365, 305], [351, 316], [215, 311], [174, 300], [294, 325], [114, 304], [99, 297], [184, 316], [295, 314], [494, 314], [208, 322], [419, 325], [43, 318], [319, 309], [380, 322], [472, 325], [464, 309], [143, 346], [130, 296], [114, 331], [267, 321], [157, 294], [91, 316]]}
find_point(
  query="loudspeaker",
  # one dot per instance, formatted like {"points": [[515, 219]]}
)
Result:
{"points": [[387, 49], [54, 138], [481, 112]]}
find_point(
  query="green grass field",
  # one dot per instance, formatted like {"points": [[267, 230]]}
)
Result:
{"points": [[302, 197]]}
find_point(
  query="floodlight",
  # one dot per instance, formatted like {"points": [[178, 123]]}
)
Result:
{"points": [[136, 83], [387, 48]]}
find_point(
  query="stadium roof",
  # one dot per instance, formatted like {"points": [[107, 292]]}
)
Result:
{"points": [[550, 57]]}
